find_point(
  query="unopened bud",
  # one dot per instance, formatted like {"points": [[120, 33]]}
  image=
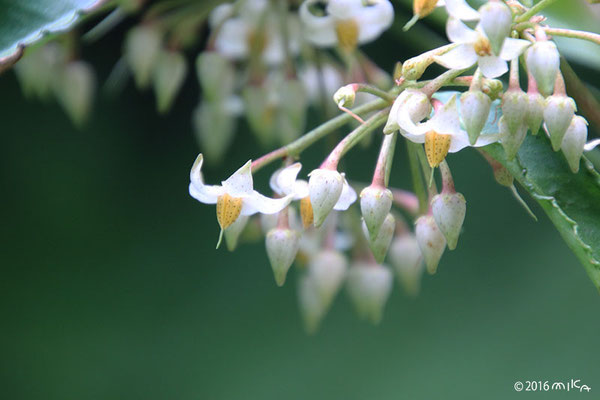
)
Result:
{"points": [[324, 188], [76, 90], [369, 287], [215, 74], [514, 109], [328, 270], [474, 110], [449, 211], [511, 140], [495, 19], [407, 260], [169, 74], [431, 241], [214, 127], [558, 114], [311, 306], [345, 96], [375, 204], [493, 88], [413, 103], [535, 112], [543, 62], [142, 48], [381, 243], [282, 246], [574, 141], [233, 232]]}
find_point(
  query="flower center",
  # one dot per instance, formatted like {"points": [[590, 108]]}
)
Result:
{"points": [[436, 147], [347, 34], [306, 212], [482, 47], [228, 210]]}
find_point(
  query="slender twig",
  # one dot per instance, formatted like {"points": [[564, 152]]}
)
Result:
{"points": [[534, 10], [571, 33]]}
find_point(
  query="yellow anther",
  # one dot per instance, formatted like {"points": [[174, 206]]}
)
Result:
{"points": [[228, 210], [347, 34], [306, 212], [436, 147], [422, 8], [483, 47]]}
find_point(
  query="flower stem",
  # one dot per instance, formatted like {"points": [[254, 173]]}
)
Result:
{"points": [[353, 138], [299, 145], [363, 87], [441, 80], [571, 33], [384, 161], [534, 10], [447, 180], [406, 200]]}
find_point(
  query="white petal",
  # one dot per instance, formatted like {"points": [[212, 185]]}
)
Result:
{"points": [[285, 182], [232, 39], [462, 10], [256, 202], [462, 56], [446, 120], [347, 197], [344, 9], [513, 48], [207, 194], [460, 33], [589, 146], [240, 183], [492, 66], [374, 19], [459, 141], [318, 30]]}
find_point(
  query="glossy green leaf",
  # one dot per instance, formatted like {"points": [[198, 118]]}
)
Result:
{"points": [[24, 22]]}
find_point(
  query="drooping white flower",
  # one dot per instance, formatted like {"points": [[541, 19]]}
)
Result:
{"points": [[442, 134], [235, 196], [474, 48], [254, 21], [346, 23]]}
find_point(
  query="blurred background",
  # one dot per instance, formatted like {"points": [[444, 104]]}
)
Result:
{"points": [[111, 286]]}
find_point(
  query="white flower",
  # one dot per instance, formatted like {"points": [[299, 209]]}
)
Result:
{"points": [[441, 134], [346, 22], [460, 9], [254, 21], [235, 196], [475, 48]]}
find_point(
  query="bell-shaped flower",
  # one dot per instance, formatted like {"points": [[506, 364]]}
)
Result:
{"points": [[235, 196], [474, 47], [441, 134], [346, 23]]}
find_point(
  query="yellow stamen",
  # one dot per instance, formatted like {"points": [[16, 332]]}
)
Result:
{"points": [[483, 47], [306, 212], [422, 8], [436, 147], [228, 210], [347, 34]]}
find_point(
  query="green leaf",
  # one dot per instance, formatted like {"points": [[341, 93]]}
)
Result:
{"points": [[571, 201], [24, 22]]}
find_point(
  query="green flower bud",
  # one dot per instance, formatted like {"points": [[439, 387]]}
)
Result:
{"points": [[345, 96], [514, 109], [76, 90], [369, 287], [535, 112], [573, 142], [407, 260], [449, 211], [328, 270], [474, 110], [381, 243], [495, 19], [169, 74], [431, 242], [233, 231], [558, 114], [282, 246], [142, 48], [543, 61], [511, 141], [324, 188], [375, 204]]}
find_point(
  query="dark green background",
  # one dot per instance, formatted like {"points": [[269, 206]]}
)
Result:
{"points": [[111, 287]]}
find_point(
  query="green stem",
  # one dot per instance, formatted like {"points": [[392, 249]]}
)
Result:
{"points": [[363, 87], [417, 178], [299, 145], [534, 10], [571, 33], [442, 80]]}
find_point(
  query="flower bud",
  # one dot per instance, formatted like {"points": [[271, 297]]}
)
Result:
{"points": [[345, 96], [282, 246], [495, 19], [169, 74], [369, 287], [215, 74], [431, 241], [514, 109], [375, 204], [260, 113], [573, 142], [535, 112], [381, 243], [543, 63], [233, 232], [511, 141], [214, 127], [407, 260], [449, 212], [142, 48], [324, 188], [328, 270], [312, 308], [414, 103], [558, 114], [76, 90], [493, 88], [474, 110]]}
